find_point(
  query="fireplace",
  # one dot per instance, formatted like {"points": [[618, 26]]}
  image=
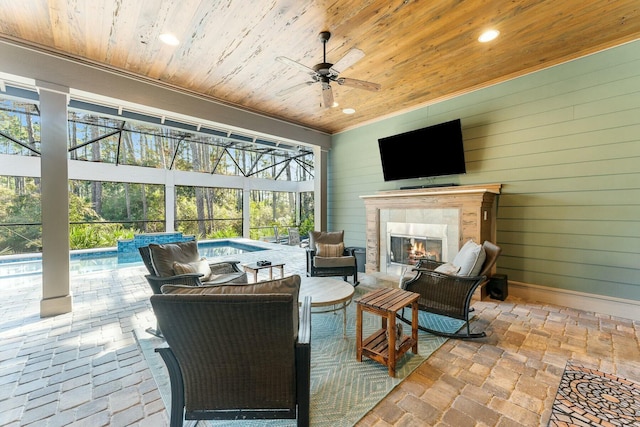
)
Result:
{"points": [[465, 212], [408, 241]]}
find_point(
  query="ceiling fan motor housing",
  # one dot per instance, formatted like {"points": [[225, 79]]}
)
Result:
{"points": [[323, 68]]}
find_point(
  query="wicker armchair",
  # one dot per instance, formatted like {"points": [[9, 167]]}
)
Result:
{"points": [[447, 294], [236, 356], [162, 272], [327, 256]]}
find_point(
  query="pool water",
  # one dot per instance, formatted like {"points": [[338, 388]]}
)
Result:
{"points": [[83, 262]]}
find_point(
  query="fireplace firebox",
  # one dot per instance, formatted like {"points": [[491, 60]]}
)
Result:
{"points": [[405, 250], [406, 242]]}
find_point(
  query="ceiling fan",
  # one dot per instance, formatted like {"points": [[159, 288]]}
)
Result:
{"points": [[326, 72]]}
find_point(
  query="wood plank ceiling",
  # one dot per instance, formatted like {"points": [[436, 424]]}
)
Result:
{"points": [[419, 51]]}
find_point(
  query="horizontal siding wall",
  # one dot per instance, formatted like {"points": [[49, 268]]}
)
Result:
{"points": [[565, 144]]}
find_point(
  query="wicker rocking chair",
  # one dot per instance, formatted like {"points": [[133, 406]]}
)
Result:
{"points": [[447, 294]]}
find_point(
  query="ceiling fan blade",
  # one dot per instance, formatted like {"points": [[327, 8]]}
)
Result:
{"points": [[294, 64], [359, 84], [353, 56], [327, 95], [292, 89]]}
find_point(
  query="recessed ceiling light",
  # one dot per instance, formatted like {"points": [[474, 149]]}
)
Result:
{"points": [[488, 35], [169, 39], [348, 111]]}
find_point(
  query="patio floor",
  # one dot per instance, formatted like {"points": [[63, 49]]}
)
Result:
{"points": [[85, 369]]}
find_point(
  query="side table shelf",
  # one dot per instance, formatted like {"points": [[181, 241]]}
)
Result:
{"points": [[386, 303], [376, 347]]}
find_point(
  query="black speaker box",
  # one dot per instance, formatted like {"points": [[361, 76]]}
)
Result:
{"points": [[498, 287]]}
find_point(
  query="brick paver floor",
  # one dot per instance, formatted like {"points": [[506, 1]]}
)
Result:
{"points": [[85, 369]]}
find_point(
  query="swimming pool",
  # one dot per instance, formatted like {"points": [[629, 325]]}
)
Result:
{"points": [[88, 261]]}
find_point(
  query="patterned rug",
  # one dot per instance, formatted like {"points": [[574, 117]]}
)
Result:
{"points": [[587, 397], [342, 389]]}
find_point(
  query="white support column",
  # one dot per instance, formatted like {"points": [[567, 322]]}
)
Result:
{"points": [[54, 165], [170, 203], [297, 208], [320, 188], [246, 210]]}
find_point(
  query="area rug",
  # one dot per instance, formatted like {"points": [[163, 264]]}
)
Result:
{"points": [[343, 390], [587, 397]]}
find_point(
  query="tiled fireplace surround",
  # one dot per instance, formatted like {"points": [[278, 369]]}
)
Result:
{"points": [[468, 211]]}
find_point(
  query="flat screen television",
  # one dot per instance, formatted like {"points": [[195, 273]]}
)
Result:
{"points": [[428, 152]]}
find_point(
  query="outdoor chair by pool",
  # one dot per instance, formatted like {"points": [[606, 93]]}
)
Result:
{"points": [[233, 355], [179, 263], [446, 288], [294, 238], [327, 256]]}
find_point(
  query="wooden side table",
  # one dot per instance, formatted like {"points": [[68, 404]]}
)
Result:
{"points": [[386, 303], [254, 268]]}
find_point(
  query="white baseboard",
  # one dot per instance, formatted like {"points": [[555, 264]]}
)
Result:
{"points": [[618, 307]]}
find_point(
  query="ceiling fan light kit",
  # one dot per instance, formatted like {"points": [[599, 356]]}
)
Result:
{"points": [[325, 72]]}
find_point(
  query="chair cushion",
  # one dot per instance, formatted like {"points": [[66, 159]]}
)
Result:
{"points": [[331, 237], [201, 267], [163, 256], [287, 285], [470, 259], [343, 261], [329, 250], [447, 268]]}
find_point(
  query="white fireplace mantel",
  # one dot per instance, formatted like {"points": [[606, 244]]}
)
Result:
{"points": [[476, 205]]}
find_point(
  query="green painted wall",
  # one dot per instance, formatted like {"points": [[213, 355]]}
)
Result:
{"points": [[565, 144]]}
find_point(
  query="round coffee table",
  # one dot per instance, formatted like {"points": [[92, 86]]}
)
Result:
{"points": [[330, 294]]}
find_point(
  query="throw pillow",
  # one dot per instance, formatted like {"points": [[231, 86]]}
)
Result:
{"points": [[201, 267], [163, 256], [329, 250], [470, 259], [447, 268], [287, 285]]}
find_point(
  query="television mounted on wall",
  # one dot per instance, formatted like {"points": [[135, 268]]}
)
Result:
{"points": [[423, 153]]}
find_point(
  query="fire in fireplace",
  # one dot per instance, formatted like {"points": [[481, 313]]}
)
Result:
{"points": [[407, 241], [406, 250]]}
